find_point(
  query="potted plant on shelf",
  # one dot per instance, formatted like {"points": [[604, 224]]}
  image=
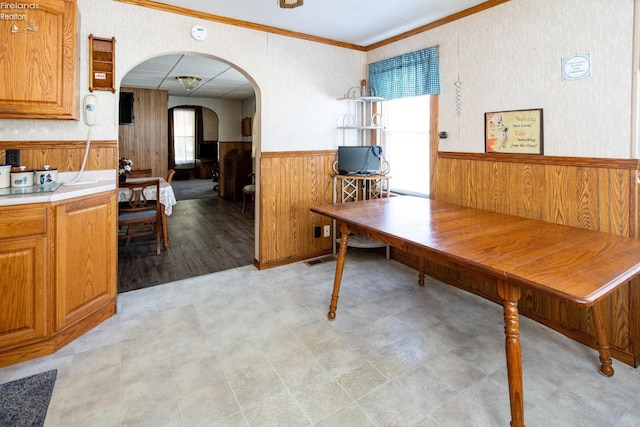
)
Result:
{"points": [[125, 168]]}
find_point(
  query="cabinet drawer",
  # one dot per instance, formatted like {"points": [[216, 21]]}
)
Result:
{"points": [[18, 221]]}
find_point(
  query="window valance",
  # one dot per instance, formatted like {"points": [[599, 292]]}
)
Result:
{"points": [[411, 74]]}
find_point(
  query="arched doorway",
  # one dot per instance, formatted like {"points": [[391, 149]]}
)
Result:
{"points": [[155, 84]]}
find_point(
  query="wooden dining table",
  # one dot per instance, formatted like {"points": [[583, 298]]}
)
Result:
{"points": [[167, 199], [576, 265]]}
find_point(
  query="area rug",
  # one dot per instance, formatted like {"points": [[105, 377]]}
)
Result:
{"points": [[25, 402], [193, 189]]}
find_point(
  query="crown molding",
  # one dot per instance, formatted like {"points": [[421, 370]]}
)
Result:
{"points": [[266, 28]]}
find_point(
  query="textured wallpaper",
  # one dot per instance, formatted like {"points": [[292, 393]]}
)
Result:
{"points": [[505, 58], [297, 82], [509, 58]]}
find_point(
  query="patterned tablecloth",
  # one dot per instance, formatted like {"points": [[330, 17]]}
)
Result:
{"points": [[167, 198]]}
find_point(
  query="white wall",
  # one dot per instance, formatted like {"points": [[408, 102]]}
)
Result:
{"points": [[228, 111], [509, 58], [297, 82]]}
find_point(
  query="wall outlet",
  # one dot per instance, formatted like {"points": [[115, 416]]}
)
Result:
{"points": [[327, 231], [13, 157], [316, 232]]}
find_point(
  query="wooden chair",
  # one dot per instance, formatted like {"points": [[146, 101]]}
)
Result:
{"points": [[140, 173], [140, 216], [248, 195], [170, 174]]}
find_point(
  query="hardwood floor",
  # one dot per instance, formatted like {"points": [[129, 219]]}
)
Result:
{"points": [[205, 235]]}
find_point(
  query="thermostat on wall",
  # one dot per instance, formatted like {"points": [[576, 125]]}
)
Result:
{"points": [[198, 32]]}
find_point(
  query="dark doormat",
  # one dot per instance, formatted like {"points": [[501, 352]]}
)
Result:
{"points": [[25, 402]]}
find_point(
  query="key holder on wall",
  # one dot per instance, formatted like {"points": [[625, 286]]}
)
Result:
{"points": [[102, 55]]}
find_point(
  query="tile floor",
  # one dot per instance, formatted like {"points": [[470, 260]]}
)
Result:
{"points": [[254, 348]]}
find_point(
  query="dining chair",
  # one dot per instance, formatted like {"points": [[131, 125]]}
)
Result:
{"points": [[248, 195], [140, 215], [141, 173], [170, 174]]}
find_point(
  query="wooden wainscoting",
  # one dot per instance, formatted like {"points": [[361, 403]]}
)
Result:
{"points": [[146, 141], [63, 155], [596, 194], [290, 184]]}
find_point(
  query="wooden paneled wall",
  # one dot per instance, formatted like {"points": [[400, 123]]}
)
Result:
{"points": [[63, 155], [146, 141], [596, 194], [290, 184]]}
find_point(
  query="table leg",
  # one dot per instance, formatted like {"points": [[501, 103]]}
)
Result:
{"points": [[342, 254], [603, 342], [421, 272], [165, 236], [511, 295]]}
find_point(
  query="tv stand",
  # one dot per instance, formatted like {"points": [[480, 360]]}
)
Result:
{"points": [[359, 174], [206, 168], [352, 188]]}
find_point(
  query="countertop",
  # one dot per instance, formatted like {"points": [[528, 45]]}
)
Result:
{"points": [[91, 182]]}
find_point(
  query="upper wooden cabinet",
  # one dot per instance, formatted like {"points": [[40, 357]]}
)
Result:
{"points": [[39, 61]]}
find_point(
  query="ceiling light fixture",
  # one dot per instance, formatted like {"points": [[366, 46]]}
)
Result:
{"points": [[290, 4], [188, 82]]}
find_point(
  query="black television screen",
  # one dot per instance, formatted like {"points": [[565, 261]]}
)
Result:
{"points": [[126, 108], [359, 160], [209, 151]]}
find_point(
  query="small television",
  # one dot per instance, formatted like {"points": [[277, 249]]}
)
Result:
{"points": [[208, 150], [126, 108], [357, 160]]}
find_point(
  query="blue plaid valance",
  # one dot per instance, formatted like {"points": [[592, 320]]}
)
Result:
{"points": [[411, 74]]}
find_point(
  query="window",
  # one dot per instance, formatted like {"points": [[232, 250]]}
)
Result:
{"points": [[406, 143], [184, 136], [407, 82]]}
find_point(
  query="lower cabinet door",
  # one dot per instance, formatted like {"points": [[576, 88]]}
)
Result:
{"points": [[23, 292], [86, 257]]}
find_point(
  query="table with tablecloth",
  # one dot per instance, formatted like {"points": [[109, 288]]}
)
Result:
{"points": [[167, 199]]}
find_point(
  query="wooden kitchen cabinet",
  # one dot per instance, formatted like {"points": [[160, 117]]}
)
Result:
{"points": [[86, 257], [58, 264], [23, 273], [39, 65]]}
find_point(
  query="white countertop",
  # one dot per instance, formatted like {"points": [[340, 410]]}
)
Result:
{"points": [[91, 182]]}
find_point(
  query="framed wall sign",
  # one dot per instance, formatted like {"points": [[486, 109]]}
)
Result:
{"points": [[514, 132], [576, 67]]}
